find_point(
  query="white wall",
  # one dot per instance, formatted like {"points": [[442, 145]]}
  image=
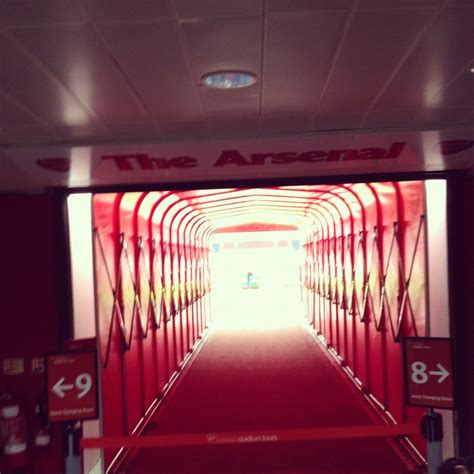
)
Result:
{"points": [[80, 244], [438, 295]]}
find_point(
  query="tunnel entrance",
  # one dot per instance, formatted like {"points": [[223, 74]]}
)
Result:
{"points": [[348, 262], [252, 266]]}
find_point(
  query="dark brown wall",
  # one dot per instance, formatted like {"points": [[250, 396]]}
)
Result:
{"points": [[32, 298], [461, 251]]}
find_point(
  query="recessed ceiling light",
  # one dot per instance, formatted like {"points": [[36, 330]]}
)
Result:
{"points": [[229, 79], [472, 70]]}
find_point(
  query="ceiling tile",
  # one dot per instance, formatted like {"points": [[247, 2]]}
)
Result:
{"points": [[27, 134], [210, 8], [82, 133], [389, 118], [434, 118], [30, 85], [132, 131], [76, 57], [444, 117], [128, 10], [460, 92], [439, 56], [233, 127], [402, 4], [184, 129], [224, 44], [337, 122], [34, 12], [362, 69], [466, 3], [298, 52], [11, 115], [306, 5], [151, 58], [223, 102], [107, 70], [286, 124]]}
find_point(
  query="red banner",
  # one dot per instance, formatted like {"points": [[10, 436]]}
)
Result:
{"points": [[322, 154], [249, 437], [429, 372], [72, 386]]}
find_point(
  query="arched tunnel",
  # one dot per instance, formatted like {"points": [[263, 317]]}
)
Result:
{"points": [[359, 287]]}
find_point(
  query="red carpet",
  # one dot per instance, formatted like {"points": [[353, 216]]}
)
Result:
{"points": [[252, 378]]}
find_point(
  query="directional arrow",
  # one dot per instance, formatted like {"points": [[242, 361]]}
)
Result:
{"points": [[443, 373], [59, 387]]}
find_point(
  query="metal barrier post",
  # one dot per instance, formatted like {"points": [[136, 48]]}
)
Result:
{"points": [[432, 430], [73, 450]]}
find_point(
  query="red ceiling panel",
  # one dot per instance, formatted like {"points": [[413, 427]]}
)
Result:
{"points": [[440, 54], [13, 114], [126, 10], [73, 54], [307, 5], [32, 12], [401, 4], [28, 82], [459, 92], [223, 44], [295, 74], [210, 8], [393, 31], [152, 60], [114, 70]]}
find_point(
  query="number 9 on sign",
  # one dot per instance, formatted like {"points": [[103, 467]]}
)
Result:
{"points": [[84, 383], [418, 374]]}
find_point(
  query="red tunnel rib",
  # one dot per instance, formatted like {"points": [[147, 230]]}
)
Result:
{"points": [[356, 268]]}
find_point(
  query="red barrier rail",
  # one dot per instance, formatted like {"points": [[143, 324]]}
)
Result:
{"points": [[242, 437]]}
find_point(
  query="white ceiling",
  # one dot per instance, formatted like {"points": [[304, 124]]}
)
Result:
{"points": [[104, 70]]}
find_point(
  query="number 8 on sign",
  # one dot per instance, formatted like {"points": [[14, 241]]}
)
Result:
{"points": [[83, 382], [419, 374]]}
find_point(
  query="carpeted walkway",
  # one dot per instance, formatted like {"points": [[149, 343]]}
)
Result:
{"points": [[259, 375]]}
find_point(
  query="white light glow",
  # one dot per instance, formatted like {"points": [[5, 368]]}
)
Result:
{"points": [[275, 301], [80, 243], [432, 90], [438, 294], [435, 190], [81, 166], [82, 84], [256, 309]]}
